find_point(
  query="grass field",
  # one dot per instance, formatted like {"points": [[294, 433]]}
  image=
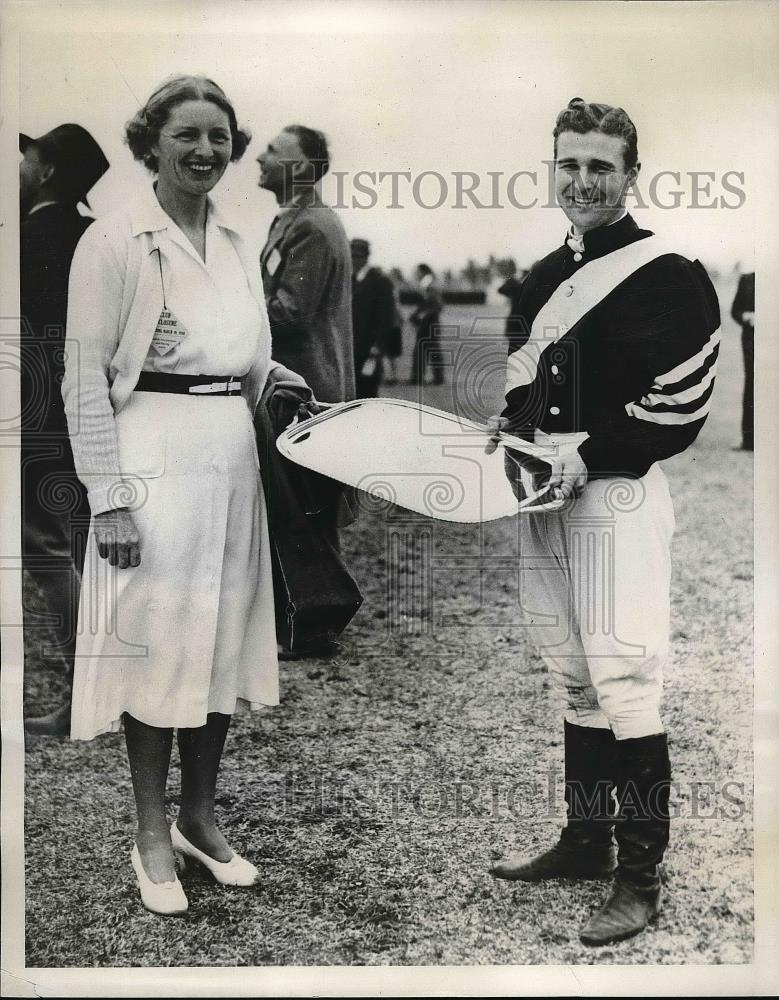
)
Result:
{"points": [[376, 796]]}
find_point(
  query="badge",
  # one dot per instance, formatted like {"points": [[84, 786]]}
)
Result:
{"points": [[273, 261], [168, 334]]}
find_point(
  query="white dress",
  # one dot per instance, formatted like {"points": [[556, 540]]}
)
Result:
{"points": [[192, 629]]}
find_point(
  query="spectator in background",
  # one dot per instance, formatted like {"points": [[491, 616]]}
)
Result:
{"points": [[394, 348], [57, 172], [743, 312], [373, 319], [306, 267], [307, 277], [395, 342], [426, 317], [511, 289]]}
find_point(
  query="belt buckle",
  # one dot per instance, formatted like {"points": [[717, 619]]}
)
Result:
{"points": [[221, 388]]}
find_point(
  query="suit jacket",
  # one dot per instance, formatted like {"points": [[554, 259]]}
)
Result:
{"points": [[307, 275], [47, 241], [373, 314], [636, 372], [744, 301]]}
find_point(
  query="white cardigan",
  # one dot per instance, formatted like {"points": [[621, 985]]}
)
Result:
{"points": [[114, 302]]}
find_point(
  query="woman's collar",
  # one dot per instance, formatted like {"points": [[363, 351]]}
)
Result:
{"points": [[148, 216]]}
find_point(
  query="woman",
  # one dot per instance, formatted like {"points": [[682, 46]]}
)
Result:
{"points": [[168, 351]]}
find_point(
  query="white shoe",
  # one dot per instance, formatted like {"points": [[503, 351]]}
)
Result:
{"points": [[159, 897], [236, 871]]}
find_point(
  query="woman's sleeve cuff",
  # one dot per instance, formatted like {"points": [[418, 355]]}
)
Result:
{"points": [[111, 496]]}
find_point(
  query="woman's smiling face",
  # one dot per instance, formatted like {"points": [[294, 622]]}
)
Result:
{"points": [[194, 147]]}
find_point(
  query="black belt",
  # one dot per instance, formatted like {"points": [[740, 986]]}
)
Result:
{"points": [[192, 385]]}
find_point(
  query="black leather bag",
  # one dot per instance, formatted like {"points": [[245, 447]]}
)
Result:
{"points": [[315, 594]]}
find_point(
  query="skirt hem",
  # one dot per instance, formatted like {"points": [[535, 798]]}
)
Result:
{"points": [[115, 724]]}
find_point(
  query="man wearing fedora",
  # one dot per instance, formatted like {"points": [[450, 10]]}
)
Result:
{"points": [[56, 173]]}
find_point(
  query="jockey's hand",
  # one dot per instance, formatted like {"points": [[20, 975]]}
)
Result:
{"points": [[495, 425], [568, 477]]}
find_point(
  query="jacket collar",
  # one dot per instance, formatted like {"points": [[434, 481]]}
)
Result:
{"points": [[307, 197], [148, 216], [605, 239]]}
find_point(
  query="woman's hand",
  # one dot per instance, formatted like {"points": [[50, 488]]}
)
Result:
{"points": [[117, 538], [280, 373], [282, 377]]}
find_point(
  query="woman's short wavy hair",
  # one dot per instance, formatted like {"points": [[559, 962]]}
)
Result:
{"points": [[584, 116], [143, 130]]}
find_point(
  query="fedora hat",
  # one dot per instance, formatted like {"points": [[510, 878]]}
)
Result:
{"points": [[77, 158]]}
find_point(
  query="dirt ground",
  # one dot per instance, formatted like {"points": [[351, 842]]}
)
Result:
{"points": [[376, 796]]}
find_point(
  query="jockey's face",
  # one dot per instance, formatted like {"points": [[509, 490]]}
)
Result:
{"points": [[590, 178]]}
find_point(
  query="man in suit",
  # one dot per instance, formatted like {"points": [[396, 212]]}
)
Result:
{"points": [[373, 318], [306, 267], [307, 276], [612, 367], [743, 312], [56, 173]]}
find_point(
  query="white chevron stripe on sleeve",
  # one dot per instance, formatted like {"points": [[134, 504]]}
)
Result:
{"points": [[653, 417], [688, 367], [685, 396]]}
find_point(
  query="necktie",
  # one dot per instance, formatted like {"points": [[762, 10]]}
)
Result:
{"points": [[576, 243]]}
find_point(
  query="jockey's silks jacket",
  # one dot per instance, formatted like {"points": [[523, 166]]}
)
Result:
{"points": [[621, 344]]}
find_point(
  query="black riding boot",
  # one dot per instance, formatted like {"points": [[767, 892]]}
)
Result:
{"points": [[585, 849], [642, 829]]}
